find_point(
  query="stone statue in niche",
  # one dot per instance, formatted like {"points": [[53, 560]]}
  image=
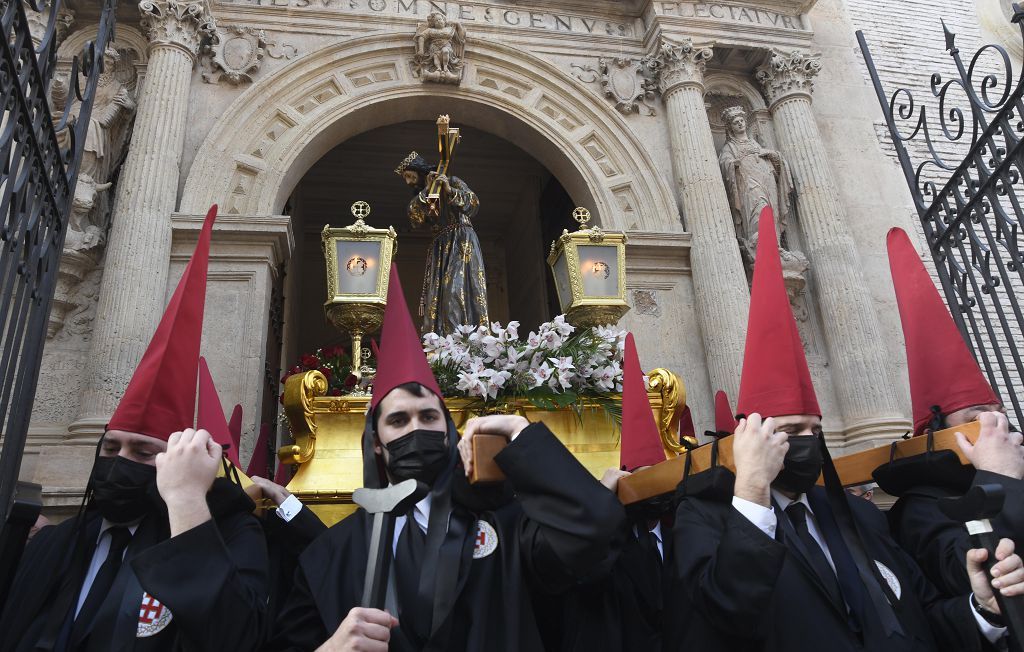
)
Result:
{"points": [[105, 145], [440, 46], [756, 177]]}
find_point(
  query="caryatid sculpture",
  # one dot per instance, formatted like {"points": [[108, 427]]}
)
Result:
{"points": [[439, 49]]}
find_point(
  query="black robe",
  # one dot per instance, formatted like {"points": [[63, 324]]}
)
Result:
{"points": [[204, 589], [940, 544], [561, 525], [286, 540], [733, 588], [616, 609]]}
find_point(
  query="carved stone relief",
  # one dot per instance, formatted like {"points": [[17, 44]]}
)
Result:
{"points": [[105, 145], [39, 20], [628, 82], [235, 53], [440, 46]]}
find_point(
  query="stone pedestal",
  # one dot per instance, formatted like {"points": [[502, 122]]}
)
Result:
{"points": [[863, 378], [720, 285], [135, 271], [246, 254]]}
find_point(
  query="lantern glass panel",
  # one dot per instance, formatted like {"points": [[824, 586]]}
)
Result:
{"points": [[358, 266], [561, 272], [599, 267]]}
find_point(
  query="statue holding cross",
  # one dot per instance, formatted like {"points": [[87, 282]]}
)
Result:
{"points": [[454, 281]]}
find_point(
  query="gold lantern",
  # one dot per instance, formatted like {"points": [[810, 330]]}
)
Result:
{"points": [[358, 268], [589, 267]]}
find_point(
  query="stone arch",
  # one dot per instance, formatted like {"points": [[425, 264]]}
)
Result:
{"points": [[274, 131], [126, 38]]}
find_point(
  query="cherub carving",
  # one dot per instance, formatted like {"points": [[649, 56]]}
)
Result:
{"points": [[439, 49]]}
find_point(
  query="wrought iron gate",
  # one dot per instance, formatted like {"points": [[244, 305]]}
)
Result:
{"points": [[37, 184], [963, 161]]}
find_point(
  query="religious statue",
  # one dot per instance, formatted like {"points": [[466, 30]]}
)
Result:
{"points": [[754, 177], [105, 143], [439, 49], [454, 284]]}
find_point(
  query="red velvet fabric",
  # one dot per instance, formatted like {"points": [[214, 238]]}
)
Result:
{"points": [[641, 440]]}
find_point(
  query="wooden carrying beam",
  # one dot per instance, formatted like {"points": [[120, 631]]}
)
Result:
{"points": [[853, 469]]}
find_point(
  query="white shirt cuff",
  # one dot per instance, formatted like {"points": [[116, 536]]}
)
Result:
{"points": [[988, 630], [763, 517], [289, 508]]}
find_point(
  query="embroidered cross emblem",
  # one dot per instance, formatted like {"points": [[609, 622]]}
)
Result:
{"points": [[481, 538], [150, 610]]}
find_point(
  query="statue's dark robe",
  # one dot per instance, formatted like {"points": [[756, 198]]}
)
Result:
{"points": [[212, 579], [562, 523], [733, 588]]}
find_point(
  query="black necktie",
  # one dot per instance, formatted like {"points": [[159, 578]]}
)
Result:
{"points": [[415, 618], [797, 513], [119, 539]]}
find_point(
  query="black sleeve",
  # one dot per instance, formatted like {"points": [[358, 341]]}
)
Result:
{"points": [[728, 566], [296, 534], [938, 544], [298, 626], [1010, 522], [213, 578], [570, 520], [951, 618]]}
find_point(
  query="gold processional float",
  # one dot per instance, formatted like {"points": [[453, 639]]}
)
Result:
{"points": [[589, 269]]}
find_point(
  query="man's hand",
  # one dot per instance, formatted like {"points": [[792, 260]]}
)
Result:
{"points": [[363, 630], [758, 452], [271, 490], [611, 478], [505, 425], [997, 450], [1007, 574], [184, 473]]}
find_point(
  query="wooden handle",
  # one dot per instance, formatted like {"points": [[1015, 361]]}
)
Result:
{"points": [[485, 448], [853, 469]]}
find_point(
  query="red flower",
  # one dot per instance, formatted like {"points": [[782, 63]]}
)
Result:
{"points": [[326, 372], [286, 376], [350, 381], [282, 398], [310, 361], [335, 392], [295, 370]]}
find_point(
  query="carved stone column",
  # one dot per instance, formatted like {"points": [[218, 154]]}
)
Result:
{"points": [[861, 371], [719, 282], [138, 251]]}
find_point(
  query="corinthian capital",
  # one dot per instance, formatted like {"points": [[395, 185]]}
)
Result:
{"points": [[680, 63], [788, 73], [183, 23]]}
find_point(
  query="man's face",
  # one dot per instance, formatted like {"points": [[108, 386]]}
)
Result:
{"points": [[798, 425], [412, 178], [401, 412], [968, 414], [132, 446]]}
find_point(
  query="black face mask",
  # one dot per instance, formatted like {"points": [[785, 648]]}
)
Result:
{"points": [[123, 490], [419, 455], [802, 465]]}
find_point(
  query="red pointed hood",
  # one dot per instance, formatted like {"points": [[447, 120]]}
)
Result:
{"points": [[258, 461], [210, 416], [283, 475], [161, 396], [235, 427], [686, 428], [725, 418], [641, 440], [775, 380], [942, 370], [401, 358]]}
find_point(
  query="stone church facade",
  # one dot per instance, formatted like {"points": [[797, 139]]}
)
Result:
{"points": [[285, 112]]}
